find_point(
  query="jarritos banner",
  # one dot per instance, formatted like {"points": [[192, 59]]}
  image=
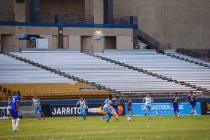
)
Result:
{"points": [[72, 110]]}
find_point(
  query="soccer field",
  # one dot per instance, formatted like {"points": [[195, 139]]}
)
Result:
{"points": [[140, 128]]}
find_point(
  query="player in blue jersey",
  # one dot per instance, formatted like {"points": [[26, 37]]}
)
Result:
{"points": [[36, 103], [192, 101], [116, 102], [148, 101], [128, 102], [83, 107], [14, 110], [175, 102]]}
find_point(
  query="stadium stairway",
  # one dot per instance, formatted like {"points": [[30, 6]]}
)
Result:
{"points": [[125, 59], [114, 78]]}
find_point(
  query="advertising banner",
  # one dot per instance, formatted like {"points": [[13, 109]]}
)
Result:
{"points": [[208, 108], [73, 110], [27, 111], [163, 109], [70, 110]]}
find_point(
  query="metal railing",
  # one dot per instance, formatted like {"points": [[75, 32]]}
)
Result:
{"points": [[121, 20], [77, 18], [7, 16], [150, 41], [70, 18]]}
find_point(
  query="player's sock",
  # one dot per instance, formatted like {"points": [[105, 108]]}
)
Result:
{"points": [[13, 124], [116, 116], [17, 123], [40, 115]]}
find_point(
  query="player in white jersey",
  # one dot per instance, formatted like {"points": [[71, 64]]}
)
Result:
{"points": [[83, 107], [36, 103], [148, 101], [107, 109]]}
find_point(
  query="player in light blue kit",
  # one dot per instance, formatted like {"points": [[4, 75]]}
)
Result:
{"points": [[36, 103], [128, 102], [83, 107], [148, 101], [107, 109], [14, 110]]}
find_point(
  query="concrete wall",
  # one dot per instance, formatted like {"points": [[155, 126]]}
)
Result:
{"points": [[72, 36], [0, 44], [75, 42], [88, 7], [7, 6], [183, 23], [98, 11], [10, 43], [21, 11], [63, 6]]}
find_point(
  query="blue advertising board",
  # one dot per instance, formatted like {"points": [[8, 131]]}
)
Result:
{"points": [[163, 109]]}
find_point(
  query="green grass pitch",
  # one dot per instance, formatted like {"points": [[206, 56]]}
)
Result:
{"points": [[140, 128]]}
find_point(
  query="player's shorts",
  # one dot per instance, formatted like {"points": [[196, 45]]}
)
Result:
{"points": [[37, 109], [9, 110], [130, 112], [129, 109], [14, 114], [106, 110], [148, 106], [176, 108], [193, 104], [116, 108], [83, 111]]}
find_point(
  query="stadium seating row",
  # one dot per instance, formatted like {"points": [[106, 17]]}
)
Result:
{"points": [[52, 90], [164, 65], [32, 81], [116, 77]]}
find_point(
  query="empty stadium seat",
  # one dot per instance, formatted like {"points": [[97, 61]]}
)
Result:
{"points": [[104, 73], [32, 81], [164, 65]]}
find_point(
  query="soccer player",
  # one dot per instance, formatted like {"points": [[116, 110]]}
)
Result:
{"points": [[129, 107], [14, 110], [9, 103], [109, 112], [175, 101], [148, 101], [192, 101], [107, 108], [116, 102], [83, 107], [36, 103]]}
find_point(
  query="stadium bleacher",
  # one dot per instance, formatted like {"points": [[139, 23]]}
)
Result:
{"points": [[118, 78], [164, 65], [32, 81], [190, 59]]}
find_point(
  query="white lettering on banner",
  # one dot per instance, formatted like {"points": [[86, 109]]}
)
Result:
{"points": [[68, 110], [162, 107], [65, 111]]}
